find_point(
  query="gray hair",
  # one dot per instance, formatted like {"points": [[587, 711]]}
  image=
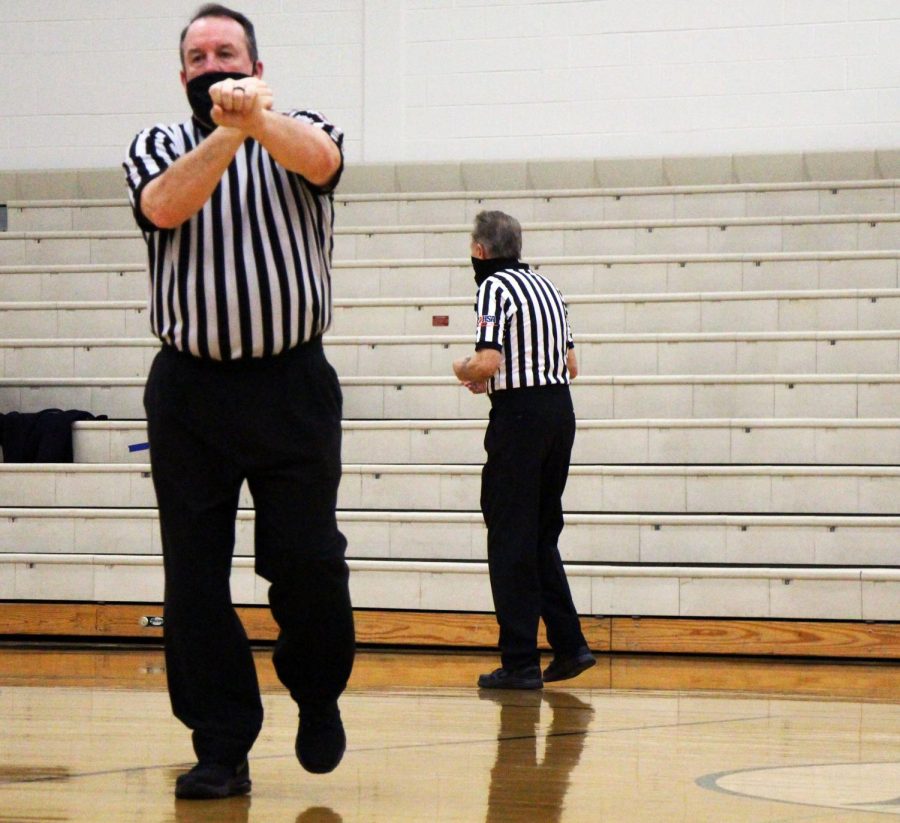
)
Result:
{"points": [[499, 233]]}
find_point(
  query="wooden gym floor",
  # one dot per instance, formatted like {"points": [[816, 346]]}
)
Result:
{"points": [[87, 736]]}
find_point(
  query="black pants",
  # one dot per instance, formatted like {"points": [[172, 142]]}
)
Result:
{"points": [[275, 422], [529, 443]]}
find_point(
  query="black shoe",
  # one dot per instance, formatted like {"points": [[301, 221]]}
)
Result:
{"points": [[321, 741], [210, 781], [562, 668], [528, 677]]}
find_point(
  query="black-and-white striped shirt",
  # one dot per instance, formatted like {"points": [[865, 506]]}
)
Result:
{"points": [[523, 315], [249, 274]]}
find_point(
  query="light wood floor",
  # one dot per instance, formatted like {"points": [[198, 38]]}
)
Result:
{"points": [[87, 736]]}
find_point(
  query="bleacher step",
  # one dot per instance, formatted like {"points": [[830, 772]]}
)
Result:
{"points": [[455, 487], [824, 310], [683, 591], [736, 540], [394, 397], [824, 441]]}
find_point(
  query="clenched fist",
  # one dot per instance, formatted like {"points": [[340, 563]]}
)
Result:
{"points": [[240, 103]]}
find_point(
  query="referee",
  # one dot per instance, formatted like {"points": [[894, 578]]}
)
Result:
{"points": [[524, 359], [236, 208]]}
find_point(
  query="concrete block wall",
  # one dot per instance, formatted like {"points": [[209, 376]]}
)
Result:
{"points": [[486, 81]]}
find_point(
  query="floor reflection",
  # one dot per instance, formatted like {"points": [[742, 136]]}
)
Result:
{"points": [[230, 810], [524, 787], [319, 814]]}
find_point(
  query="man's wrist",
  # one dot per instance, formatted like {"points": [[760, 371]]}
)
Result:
{"points": [[259, 128], [230, 134]]}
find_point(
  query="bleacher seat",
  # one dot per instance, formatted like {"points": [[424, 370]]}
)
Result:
{"points": [[738, 331]]}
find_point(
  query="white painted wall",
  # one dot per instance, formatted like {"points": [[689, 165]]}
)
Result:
{"points": [[421, 80]]}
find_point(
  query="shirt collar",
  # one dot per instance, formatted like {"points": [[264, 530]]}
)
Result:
{"points": [[485, 268]]}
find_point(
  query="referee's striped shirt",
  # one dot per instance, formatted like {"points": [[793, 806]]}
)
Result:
{"points": [[249, 274], [524, 316]]}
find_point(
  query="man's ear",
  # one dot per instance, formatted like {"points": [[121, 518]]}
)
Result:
{"points": [[258, 69]]}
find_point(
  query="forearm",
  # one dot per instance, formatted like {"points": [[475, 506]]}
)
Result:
{"points": [[295, 145], [299, 147], [479, 366], [572, 364], [183, 189], [465, 372]]}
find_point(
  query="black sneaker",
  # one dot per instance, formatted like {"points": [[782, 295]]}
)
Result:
{"points": [[321, 741], [563, 668], [211, 781], [528, 677]]}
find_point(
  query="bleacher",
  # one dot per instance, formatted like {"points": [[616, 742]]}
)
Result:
{"points": [[737, 464]]}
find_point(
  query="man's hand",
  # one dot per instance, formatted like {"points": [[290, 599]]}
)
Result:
{"points": [[459, 367], [241, 108], [241, 104], [476, 387], [246, 105]]}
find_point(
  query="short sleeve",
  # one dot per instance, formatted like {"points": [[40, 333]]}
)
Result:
{"points": [[491, 319], [318, 120], [151, 152], [570, 341]]}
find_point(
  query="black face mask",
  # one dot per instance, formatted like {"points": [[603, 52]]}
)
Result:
{"points": [[198, 93], [485, 268], [482, 267]]}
